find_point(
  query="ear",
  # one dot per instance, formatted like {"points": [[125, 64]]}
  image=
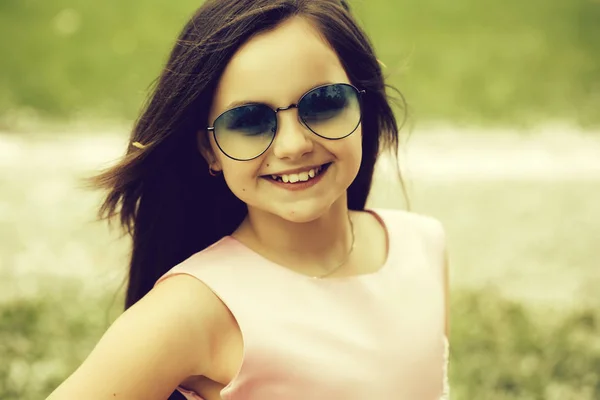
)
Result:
{"points": [[206, 150]]}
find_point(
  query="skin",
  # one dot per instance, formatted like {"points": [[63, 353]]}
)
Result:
{"points": [[276, 68]]}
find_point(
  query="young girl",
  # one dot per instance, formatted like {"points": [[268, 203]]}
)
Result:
{"points": [[256, 272]]}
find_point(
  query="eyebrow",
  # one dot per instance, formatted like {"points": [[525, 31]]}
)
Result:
{"points": [[239, 103]]}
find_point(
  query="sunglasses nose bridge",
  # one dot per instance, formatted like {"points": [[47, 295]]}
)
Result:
{"points": [[277, 110], [292, 140], [286, 108]]}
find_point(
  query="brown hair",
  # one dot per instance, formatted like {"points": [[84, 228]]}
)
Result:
{"points": [[162, 191]]}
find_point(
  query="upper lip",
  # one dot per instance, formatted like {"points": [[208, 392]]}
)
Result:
{"points": [[297, 170]]}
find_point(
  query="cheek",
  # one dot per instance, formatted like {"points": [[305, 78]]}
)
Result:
{"points": [[241, 176]]}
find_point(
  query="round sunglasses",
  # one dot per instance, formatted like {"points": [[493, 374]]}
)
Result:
{"points": [[331, 111]]}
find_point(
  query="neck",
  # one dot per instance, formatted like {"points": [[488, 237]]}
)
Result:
{"points": [[315, 247]]}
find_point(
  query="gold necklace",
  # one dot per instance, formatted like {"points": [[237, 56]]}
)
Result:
{"points": [[345, 260]]}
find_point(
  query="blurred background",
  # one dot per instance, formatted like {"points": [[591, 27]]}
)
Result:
{"points": [[502, 145]]}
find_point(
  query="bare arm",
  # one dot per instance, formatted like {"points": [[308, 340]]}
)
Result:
{"points": [[150, 348]]}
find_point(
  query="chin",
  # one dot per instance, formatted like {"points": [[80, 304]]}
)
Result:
{"points": [[303, 211], [296, 207], [299, 217]]}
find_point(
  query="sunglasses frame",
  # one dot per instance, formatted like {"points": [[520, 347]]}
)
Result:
{"points": [[360, 94]]}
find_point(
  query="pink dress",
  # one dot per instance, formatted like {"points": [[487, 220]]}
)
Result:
{"points": [[373, 336]]}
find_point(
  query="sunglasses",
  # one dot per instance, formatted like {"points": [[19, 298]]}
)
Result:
{"points": [[331, 111]]}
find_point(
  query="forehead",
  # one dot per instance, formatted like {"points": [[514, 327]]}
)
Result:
{"points": [[278, 66]]}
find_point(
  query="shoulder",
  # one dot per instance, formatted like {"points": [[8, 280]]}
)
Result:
{"points": [[153, 338], [427, 227], [183, 314], [182, 289], [178, 317], [423, 229], [188, 303], [215, 258]]}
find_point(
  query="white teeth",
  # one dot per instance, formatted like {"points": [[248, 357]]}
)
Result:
{"points": [[300, 177], [294, 178]]}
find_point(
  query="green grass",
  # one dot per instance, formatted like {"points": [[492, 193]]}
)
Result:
{"points": [[43, 339], [472, 61], [467, 61], [502, 350]]}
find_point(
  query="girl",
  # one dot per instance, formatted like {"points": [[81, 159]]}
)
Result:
{"points": [[256, 272]]}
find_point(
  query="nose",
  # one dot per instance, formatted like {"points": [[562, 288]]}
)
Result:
{"points": [[292, 140]]}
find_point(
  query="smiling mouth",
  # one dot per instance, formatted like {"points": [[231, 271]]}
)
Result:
{"points": [[299, 177]]}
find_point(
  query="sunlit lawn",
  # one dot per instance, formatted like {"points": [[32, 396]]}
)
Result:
{"points": [[465, 60], [524, 258]]}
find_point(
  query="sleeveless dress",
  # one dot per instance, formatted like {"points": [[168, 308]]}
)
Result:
{"points": [[372, 336]]}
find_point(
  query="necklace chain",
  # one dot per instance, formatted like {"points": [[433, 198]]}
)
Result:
{"points": [[345, 260]]}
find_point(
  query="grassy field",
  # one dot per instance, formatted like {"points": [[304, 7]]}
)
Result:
{"points": [[524, 262], [466, 61]]}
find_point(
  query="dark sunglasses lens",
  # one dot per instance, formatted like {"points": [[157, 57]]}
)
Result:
{"points": [[245, 132], [331, 111]]}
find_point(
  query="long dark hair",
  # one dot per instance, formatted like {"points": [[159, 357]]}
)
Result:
{"points": [[163, 193]]}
